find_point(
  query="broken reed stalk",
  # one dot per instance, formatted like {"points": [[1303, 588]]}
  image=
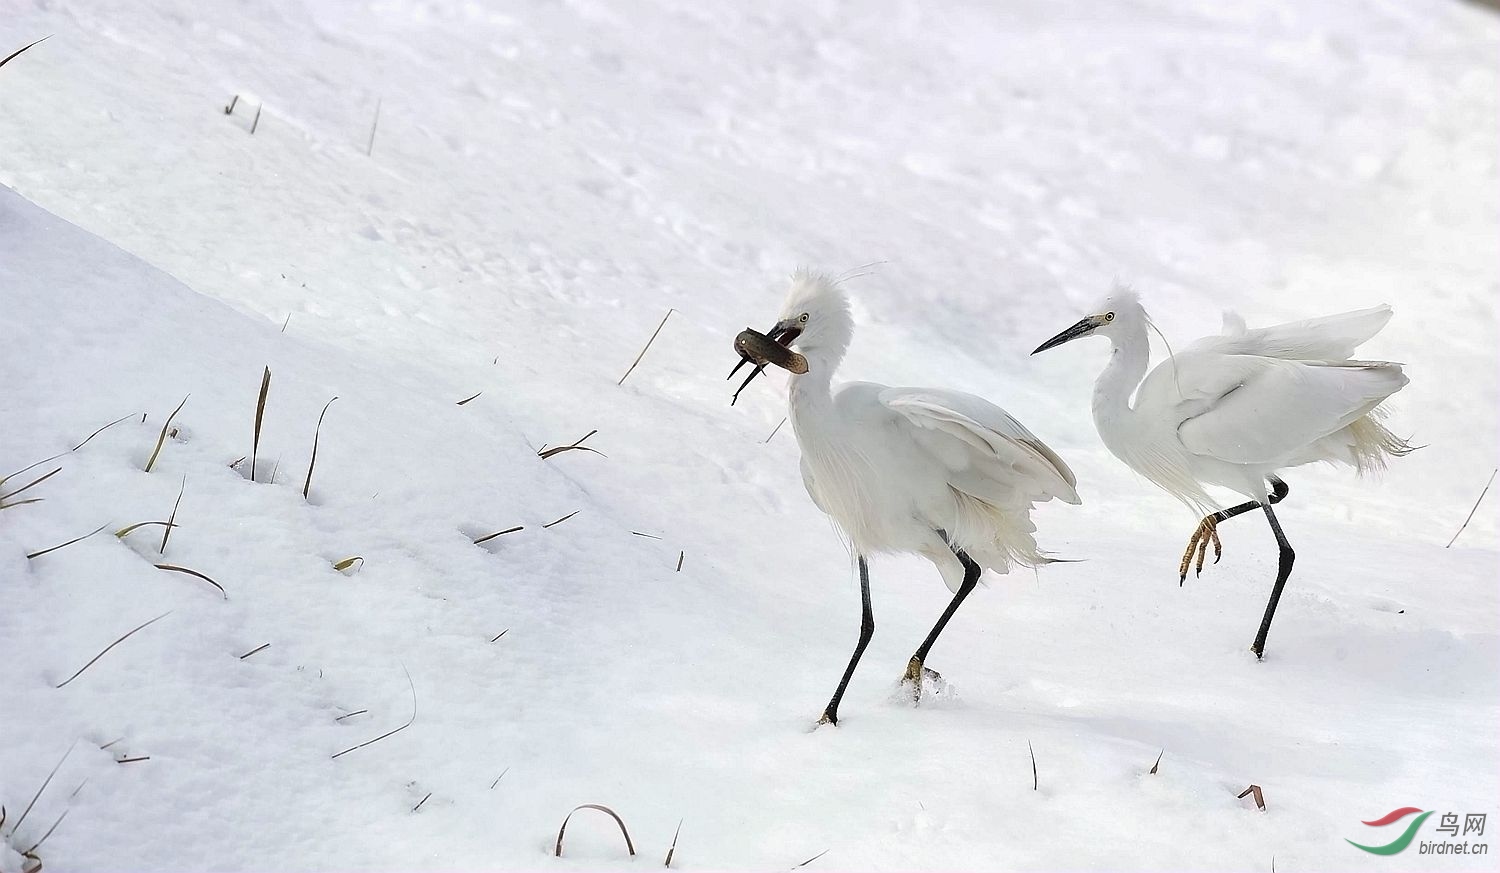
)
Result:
{"points": [[487, 537], [351, 714], [256, 123], [563, 519], [398, 730], [496, 637], [307, 483], [498, 778], [680, 556], [122, 639], [1475, 509], [66, 544], [176, 569], [577, 445], [673, 849], [813, 858], [420, 802], [260, 648], [285, 322], [647, 346], [354, 561], [773, 432], [1034, 781], [370, 148], [629, 846], [1158, 762], [171, 519], [467, 399], [260, 412], [100, 430], [23, 48], [229, 110], [161, 440], [45, 782], [1260, 799]]}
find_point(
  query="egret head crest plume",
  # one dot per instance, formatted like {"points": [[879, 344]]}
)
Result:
{"points": [[819, 308]]}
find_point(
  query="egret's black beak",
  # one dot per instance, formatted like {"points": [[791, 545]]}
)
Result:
{"points": [[1084, 327], [761, 349]]}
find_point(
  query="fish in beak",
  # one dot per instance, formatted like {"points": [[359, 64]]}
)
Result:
{"points": [[770, 347], [1084, 327]]}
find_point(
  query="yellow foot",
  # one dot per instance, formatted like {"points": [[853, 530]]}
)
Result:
{"points": [[915, 676], [1206, 534]]}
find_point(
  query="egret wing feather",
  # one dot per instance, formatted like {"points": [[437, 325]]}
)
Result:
{"points": [[1329, 338], [989, 454], [1264, 410]]}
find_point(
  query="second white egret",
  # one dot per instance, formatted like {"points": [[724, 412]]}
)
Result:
{"points": [[1232, 410], [946, 475]]}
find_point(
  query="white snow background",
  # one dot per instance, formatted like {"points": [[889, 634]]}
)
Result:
{"points": [[547, 180]]}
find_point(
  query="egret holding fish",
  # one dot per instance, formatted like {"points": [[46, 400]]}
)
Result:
{"points": [[946, 475], [1235, 409]]}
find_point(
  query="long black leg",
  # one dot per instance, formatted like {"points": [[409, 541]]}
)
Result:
{"points": [[971, 579], [1279, 490], [1206, 529], [866, 630], [1283, 570]]}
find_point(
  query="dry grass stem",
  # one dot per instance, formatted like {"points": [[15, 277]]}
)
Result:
{"points": [[260, 412], [122, 639], [629, 846], [471, 397], [576, 445], [563, 519], [487, 537], [647, 346], [162, 439], [22, 49], [398, 730], [34, 482], [125, 531], [307, 483], [260, 648], [99, 431], [672, 850], [176, 569], [813, 858], [66, 544], [45, 782], [1474, 510], [172, 519]]}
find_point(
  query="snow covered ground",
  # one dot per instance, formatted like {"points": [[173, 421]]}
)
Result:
{"points": [[547, 179]]}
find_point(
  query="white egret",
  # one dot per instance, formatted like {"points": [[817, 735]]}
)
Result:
{"points": [[943, 474], [1232, 410]]}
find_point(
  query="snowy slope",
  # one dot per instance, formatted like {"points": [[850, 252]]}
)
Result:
{"points": [[546, 181]]}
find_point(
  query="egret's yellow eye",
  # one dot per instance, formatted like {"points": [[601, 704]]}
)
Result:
{"points": [[803, 318], [1109, 316]]}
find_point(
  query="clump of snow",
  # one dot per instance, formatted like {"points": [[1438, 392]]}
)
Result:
{"points": [[547, 180]]}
